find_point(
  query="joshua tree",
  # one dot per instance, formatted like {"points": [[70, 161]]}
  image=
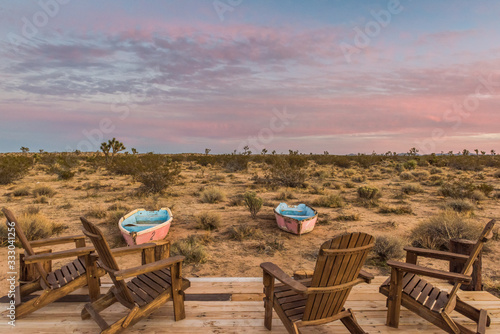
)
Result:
{"points": [[413, 152], [465, 152], [134, 151], [24, 149], [207, 151], [112, 145], [493, 152], [264, 151]]}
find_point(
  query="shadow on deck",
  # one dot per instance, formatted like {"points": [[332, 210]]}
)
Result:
{"points": [[234, 305]]}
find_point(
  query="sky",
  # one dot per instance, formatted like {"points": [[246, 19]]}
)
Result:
{"points": [[314, 76]]}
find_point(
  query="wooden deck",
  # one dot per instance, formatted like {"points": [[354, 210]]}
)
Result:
{"points": [[234, 305]]}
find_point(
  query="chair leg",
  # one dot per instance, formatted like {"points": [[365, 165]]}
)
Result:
{"points": [[470, 311], [394, 298], [351, 324], [102, 303], [177, 293], [268, 300]]}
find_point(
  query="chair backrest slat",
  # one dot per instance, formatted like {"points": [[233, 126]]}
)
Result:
{"points": [[467, 269], [106, 258], [25, 243], [335, 268]]}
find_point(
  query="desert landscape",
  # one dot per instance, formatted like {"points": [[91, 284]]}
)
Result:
{"points": [[404, 199]]}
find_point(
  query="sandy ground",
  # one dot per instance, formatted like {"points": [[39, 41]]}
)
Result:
{"points": [[98, 190]]}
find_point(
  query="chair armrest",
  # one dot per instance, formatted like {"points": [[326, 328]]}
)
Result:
{"points": [[441, 274], [434, 254], [280, 275], [366, 276], [58, 255], [56, 241], [147, 268], [122, 251]]}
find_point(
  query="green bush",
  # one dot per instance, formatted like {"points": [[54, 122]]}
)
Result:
{"points": [[13, 167], [208, 221], [212, 195], [369, 192], [436, 232], [465, 188], [253, 203], [410, 164]]}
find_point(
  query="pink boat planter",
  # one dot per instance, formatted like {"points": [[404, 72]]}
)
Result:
{"points": [[141, 226], [297, 219]]}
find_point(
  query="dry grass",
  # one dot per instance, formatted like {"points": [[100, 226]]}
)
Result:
{"points": [[208, 221], [212, 195], [35, 226]]}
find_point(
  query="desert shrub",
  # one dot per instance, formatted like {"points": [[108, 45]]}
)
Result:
{"points": [[410, 189], [41, 200], [369, 192], [358, 178], [253, 203], [44, 191], [286, 172], [32, 210], [96, 211], [460, 205], [156, 172], [320, 174], [406, 176], [497, 174], [64, 173], [284, 195], [114, 215], [243, 232], [436, 232], [65, 206], [208, 221], [349, 172], [35, 226], [399, 210], [212, 195], [329, 201], [192, 249], [465, 188], [410, 164], [421, 175], [388, 247], [347, 217], [349, 185], [13, 167], [236, 163], [317, 190], [18, 192], [270, 247], [485, 188], [436, 170]]}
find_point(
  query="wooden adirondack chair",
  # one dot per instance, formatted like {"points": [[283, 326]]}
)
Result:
{"points": [[320, 299], [152, 285], [416, 294], [59, 283]]}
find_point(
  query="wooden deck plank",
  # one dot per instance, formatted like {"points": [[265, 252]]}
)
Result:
{"points": [[244, 313]]}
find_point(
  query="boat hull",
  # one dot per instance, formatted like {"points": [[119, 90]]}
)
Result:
{"points": [[296, 226], [157, 232]]}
